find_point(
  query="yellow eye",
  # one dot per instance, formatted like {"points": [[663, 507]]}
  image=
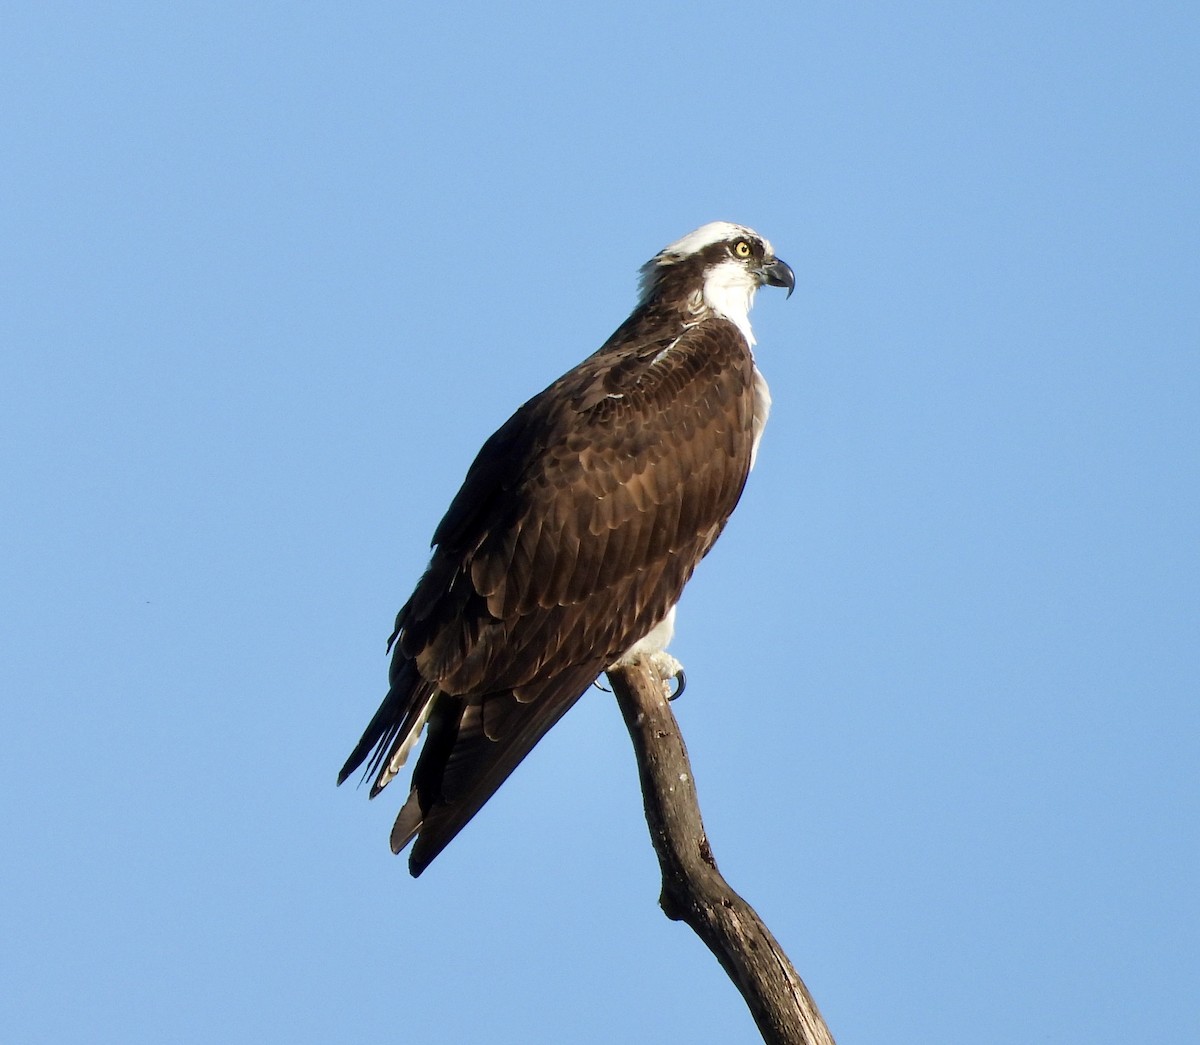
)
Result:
{"points": [[741, 249]]}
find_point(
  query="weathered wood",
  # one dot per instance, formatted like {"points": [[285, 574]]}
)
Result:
{"points": [[693, 890]]}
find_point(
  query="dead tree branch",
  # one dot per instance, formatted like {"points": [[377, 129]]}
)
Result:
{"points": [[693, 890]]}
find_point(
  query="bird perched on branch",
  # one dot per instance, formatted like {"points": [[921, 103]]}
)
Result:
{"points": [[573, 535]]}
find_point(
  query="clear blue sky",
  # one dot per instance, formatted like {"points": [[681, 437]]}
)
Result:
{"points": [[272, 272]]}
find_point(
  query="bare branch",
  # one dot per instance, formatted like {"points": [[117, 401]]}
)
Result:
{"points": [[693, 890]]}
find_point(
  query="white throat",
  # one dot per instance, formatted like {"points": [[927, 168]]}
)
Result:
{"points": [[729, 291]]}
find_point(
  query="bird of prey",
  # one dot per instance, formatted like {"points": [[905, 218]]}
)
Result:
{"points": [[573, 535]]}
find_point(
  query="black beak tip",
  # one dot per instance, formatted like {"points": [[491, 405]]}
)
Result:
{"points": [[779, 274]]}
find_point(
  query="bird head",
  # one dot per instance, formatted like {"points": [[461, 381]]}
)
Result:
{"points": [[719, 267]]}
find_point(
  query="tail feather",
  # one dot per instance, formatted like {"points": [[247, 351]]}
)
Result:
{"points": [[461, 767], [408, 823], [393, 730], [472, 745], [405, 740]]}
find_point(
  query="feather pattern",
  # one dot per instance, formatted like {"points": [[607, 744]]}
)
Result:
{"points": [[573, 535]]}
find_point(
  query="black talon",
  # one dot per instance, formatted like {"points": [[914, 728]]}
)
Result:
{"points": [[680, 684]]}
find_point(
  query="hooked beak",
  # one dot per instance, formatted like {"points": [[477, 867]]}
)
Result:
{"points": [[778, 273]]}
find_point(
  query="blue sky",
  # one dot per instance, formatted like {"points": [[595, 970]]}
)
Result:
{"points": [[270, 275]]}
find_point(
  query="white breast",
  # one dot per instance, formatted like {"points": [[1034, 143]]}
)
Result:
{"points": [[762, 407]]}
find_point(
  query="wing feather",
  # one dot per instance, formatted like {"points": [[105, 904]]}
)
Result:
{"points": [[574, 532]]}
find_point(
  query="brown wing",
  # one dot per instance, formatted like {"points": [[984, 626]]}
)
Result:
{"points": [[576, 529]]}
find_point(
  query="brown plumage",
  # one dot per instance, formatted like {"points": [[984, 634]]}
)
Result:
{"points": [[573, 535]]}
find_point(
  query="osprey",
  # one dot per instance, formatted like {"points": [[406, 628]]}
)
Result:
{"points": [[573, 535]]}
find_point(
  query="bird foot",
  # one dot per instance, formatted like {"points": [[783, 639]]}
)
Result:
{"points": [[669, 670]]}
